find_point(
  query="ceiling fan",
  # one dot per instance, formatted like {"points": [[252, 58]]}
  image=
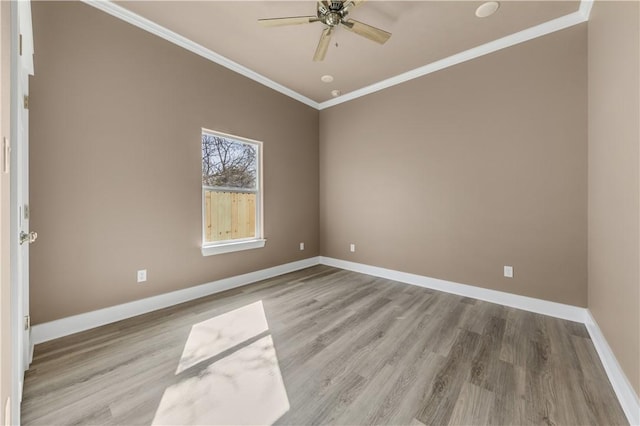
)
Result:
{"points": [[332, 14]]}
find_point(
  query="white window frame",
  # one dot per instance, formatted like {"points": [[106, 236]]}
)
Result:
{"points": [[228, 246]]}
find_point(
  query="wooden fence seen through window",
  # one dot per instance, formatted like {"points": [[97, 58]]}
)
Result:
{"points": [[229, 215]]}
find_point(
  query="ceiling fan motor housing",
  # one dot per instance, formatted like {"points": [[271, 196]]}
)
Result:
{"points": [[332, 19], [332, 13]]}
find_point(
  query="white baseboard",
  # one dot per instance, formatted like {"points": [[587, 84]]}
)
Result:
{"points": [[74, 324], [558, 310], [624, 391]]}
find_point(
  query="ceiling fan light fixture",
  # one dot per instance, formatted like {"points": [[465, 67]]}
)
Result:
{"points": [[326, 78], [332, 14], [487, 9]]}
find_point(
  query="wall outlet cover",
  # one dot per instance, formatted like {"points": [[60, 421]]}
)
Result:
{"points": [[508, 271]]}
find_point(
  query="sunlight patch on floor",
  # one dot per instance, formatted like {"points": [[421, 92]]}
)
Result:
{"points": [[227, 374], [216, 335]]}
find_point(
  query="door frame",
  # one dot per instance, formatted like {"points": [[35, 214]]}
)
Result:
{"points": [[21, 68]]}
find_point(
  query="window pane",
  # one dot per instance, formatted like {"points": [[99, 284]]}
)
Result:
{"points": [[229, 215], [230, 188], [227, 163]]}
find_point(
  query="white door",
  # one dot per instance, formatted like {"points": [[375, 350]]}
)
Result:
{"points": [[21, 237]]}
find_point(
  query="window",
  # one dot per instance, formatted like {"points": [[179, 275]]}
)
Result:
{"points": [[231, 193]]}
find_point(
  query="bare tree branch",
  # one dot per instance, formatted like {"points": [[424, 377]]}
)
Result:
{"points": [[228, 163]]}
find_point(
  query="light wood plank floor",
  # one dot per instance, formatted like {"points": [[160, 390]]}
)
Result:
{"points": [[324, 346]]}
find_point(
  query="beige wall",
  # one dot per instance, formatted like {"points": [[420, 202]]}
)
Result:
{"points": [[614, 179], [115, 183], [5, 286], [452, 175], [458, 173]]}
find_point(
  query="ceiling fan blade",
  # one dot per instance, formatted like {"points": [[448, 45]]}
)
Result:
{"points": [[293, 20], [323, 45], [367, 31]]}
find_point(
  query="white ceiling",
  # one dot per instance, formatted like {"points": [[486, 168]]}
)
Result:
{"points": [[424, 32]]}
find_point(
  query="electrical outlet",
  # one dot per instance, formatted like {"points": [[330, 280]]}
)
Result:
{"points": [[352, 248], [301, 246], [142, 275], [508, 271]]}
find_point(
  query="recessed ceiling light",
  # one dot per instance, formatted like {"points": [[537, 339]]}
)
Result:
{"points": [[326, 78], [487, 9], [335, 93]]}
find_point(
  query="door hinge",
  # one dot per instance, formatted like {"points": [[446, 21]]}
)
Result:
{"points": [[26, 101], [27, 322], [6, 153], [20, 44]]}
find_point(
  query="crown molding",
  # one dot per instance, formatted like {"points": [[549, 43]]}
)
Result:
{"points": [[548, 27], [575, 18], [126, 15], [585, 8]]}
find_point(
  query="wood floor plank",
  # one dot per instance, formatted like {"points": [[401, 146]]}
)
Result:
{"points": [[600, 407], [485, 363], [438, 407], [509, 397], [473, 406], [324, 346], [417, 366], [364, 404]]}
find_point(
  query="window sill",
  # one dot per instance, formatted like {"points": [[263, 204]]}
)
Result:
{"points": [[232, 246]]}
